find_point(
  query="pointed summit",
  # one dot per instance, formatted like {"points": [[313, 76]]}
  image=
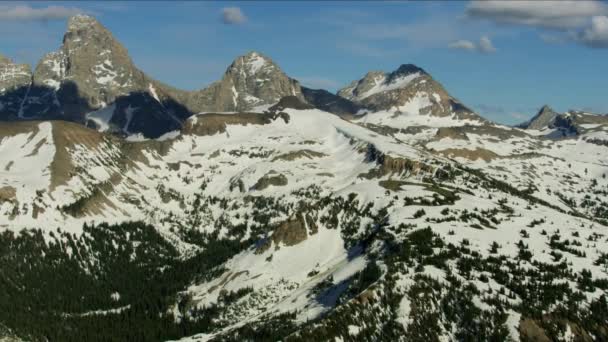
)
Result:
{"points": [[92, 80], [252, 63], [251, 80], [407, 69], [543, 119], [82, 21]]}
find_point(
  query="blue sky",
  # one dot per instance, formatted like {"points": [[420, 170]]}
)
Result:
{"points": [[504, 59]]}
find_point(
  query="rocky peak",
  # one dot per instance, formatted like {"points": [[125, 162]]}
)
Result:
{"points": [[251, 80], [253, 63], [409, 90], [92, 80], [543, 119], [82, 22], [405, 70], [84, 26]]}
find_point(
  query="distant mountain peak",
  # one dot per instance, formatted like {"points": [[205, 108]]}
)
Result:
{"points": [[408, 69], [250, 81], [408, 89], [253, 63], [543, 119], [81, 21], [545, 109]]}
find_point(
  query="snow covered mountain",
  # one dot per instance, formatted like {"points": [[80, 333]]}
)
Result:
{"points": [[409, 90], [254, 212], [302, 225]]}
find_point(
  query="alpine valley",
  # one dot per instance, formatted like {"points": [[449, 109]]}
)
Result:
{"points": [[257, 209]]}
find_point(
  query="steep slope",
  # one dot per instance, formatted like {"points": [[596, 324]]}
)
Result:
{"points": [[92, 80], [299, 225]]}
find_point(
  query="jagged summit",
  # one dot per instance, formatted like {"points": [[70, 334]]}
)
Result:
{"points": [[250, 81], [91, 79], [252, 63], [570, 123], [543, 119], [80, 21], [407, 69]]}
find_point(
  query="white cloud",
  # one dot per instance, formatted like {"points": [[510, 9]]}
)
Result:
{"points": [[28, 13], [233, 16], [485, 45], [563, 14], [463, 45], [596, 35]]}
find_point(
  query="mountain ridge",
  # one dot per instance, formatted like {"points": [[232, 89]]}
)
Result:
{"points": [[92, 80]]}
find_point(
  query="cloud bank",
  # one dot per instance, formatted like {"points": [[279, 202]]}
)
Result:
{"points": [[581, 21]]}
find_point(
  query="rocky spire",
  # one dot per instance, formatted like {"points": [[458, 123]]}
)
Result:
{"points": [[545, 117], [91, 79], [251, 80]]}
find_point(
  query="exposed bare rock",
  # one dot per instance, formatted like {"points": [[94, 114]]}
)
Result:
{"points": [[389, 165], [309, 154], [293, 102], [251, 80], [271, 178], [542, 119], [209, 124]]}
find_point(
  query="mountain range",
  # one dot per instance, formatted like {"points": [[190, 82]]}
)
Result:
{"points": [[257, 209]]}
